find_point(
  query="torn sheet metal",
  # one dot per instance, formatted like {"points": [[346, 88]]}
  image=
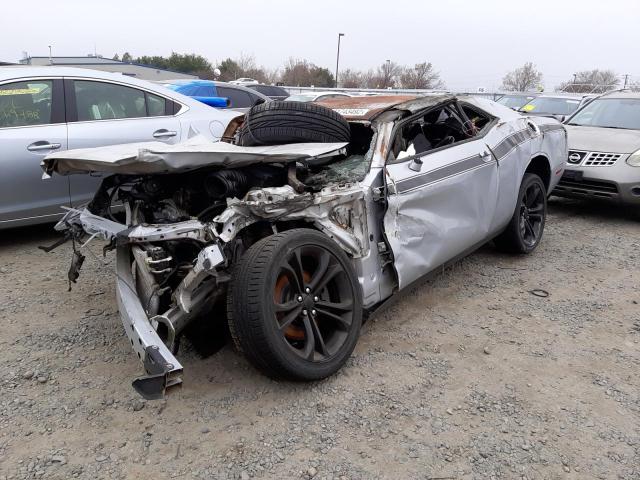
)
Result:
{"points": [[158, 157], [339, 211]]}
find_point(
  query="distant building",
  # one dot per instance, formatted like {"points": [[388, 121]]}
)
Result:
{"points": [[143, 72]]}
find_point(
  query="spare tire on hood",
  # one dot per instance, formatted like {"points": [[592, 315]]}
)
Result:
{"points": [[276, 123]]}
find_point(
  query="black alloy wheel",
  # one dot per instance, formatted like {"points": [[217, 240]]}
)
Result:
{"points": [[525, 229], [296, 306], [532, 213]]}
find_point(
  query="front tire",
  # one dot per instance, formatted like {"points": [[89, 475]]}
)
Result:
{"points": [[296, 305], [525, 229]]}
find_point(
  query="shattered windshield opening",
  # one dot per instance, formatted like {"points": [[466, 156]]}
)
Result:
{"points": [[351, 168]]}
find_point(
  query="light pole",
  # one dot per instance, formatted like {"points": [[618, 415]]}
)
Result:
{"points": [[50, 57], [387, 77], [340, 35]]}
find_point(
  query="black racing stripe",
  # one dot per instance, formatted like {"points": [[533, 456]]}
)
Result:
{"points": [[511, 142], [508, 143], [417, 181], [551, 127]]}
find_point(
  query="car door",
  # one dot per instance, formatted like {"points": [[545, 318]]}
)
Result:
{"points": [[104, 113], [31, 126], [441, 202]]}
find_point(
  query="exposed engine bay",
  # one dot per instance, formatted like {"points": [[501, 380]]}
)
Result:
{"points": [[178, 235]]}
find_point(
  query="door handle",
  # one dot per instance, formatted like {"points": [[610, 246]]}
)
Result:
{"points": [[164, 133], [41, 146], [486, 156]]}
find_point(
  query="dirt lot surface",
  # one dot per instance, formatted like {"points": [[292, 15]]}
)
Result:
{"points": [[468, 377]]}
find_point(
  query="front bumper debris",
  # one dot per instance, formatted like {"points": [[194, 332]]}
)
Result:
{"points": [[163, 369]]}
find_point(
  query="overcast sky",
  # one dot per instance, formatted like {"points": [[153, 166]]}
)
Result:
{"points": [[471, 43]]}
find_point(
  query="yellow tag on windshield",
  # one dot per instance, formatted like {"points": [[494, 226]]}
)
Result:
{"points": [[528, 108], [21, 91]]}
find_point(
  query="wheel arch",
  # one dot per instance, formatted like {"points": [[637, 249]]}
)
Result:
{"points": [[540, 165]]}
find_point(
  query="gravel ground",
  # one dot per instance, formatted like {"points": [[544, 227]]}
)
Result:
{"points": [[468, 377]]}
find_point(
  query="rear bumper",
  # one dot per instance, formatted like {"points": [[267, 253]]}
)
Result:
{"points": [[162, 368]]}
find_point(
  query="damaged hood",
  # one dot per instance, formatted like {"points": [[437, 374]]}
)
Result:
{"points": [[158, 157]]}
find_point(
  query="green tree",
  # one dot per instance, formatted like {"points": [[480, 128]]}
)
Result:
{"points": [[126, 57], [186, 63], [302, 73], [229, 70]]}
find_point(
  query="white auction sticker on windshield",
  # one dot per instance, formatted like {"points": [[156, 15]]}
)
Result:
{"points": [[352, 112]]}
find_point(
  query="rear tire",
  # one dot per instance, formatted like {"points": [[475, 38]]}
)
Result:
{"points": [[276, 123], [279, 279], [525, 229]]}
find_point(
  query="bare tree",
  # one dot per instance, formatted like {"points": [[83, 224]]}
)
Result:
{"points": [[422, 75], [387, 74], [522, 79], [591, 81], [368, 79], [351, 78], [246, 62], [243, 66], [271, 75]]}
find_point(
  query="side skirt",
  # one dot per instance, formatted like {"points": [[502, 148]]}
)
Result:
{"points": [[397, 296]]}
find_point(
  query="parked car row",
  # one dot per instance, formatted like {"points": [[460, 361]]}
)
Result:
{"points": [[52, 108], [219, 94], [557, 105]]}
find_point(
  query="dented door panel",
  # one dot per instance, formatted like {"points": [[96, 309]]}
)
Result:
{"points": [[437, 213]]}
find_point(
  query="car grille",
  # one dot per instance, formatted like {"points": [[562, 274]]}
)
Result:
{"points": [[599, 159], [594, 188], [592, 159]]}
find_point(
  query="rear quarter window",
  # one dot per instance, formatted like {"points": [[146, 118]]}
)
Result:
{"points": [[237, 98]]}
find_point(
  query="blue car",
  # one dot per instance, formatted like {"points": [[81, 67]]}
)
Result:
{"points": [[219, 94]]}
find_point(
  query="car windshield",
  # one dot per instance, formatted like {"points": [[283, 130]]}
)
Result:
{"points": [[301, 98], [553, 106], [514, 101], [610, 113]]}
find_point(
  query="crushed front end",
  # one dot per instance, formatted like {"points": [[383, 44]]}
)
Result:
{"points": [[178, 235]]}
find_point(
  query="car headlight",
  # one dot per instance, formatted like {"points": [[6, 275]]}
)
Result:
{"points": [[634, 159]]}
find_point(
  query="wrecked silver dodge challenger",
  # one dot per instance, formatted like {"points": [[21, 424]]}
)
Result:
{"points": [[305, 219]]}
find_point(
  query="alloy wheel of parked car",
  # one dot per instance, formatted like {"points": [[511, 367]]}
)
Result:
{"points": [[297, 305], [524, 231]]}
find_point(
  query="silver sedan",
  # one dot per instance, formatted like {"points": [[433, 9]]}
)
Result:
{"points": [[48, 109]]}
